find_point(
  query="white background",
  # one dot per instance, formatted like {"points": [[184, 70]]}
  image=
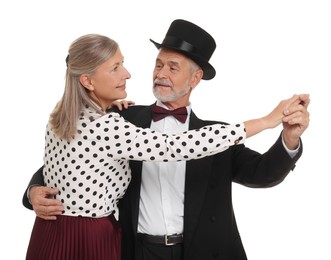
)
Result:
{"points": [[266, 51]]}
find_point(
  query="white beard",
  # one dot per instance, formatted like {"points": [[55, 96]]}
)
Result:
{"points": [[173, 95]]}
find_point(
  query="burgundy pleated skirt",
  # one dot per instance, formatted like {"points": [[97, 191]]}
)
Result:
{"points": [[75, 238]]}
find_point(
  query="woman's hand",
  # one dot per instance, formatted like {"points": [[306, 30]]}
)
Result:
{"points": [[120, 104]]}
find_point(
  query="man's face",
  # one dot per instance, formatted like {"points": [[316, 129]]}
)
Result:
{"points": [[172, 78]]}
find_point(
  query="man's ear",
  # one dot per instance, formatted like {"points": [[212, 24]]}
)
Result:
{"points": [[196, 78], [85, 80]]}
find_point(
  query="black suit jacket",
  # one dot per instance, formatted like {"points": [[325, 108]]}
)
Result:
{"points": [[210, 229]]}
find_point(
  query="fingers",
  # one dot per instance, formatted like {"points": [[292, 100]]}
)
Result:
{"points": [[47, 208], [298, 118], [296, 121], [118, 104], [47, 212], [127, 103], [41, 192], [122, 104], [297, 113], [305, 100], [296, 103], [43, 203]]}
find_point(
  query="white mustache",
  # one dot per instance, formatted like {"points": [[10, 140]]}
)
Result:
{"points": [[163, 82]]}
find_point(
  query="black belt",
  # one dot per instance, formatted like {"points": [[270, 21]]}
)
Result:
{"points": [[167, 240]]}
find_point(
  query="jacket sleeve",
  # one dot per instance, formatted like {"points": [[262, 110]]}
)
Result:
{"points": [[37, 179], [265, 170]]}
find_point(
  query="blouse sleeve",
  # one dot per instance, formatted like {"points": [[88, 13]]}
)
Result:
{"points": [[123, 140]]}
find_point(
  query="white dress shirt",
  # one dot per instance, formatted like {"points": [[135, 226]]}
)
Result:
{"points": [[162, 191]]}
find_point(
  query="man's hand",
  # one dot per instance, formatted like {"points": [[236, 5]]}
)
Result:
{"points": [[43, 203], [296, 121]]}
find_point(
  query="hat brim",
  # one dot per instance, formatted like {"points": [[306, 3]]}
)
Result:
{"points": [[208, 70]]}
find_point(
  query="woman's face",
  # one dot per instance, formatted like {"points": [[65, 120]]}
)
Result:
{"points": [[108, 82]]}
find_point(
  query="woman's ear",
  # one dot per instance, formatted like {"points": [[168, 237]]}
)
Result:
{"points": [[85, 80]]}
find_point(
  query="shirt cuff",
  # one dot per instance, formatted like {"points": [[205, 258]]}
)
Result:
{"points": [[291, 153]]}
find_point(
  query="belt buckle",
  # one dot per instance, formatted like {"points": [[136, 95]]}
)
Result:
{"points": [[167, 243]]}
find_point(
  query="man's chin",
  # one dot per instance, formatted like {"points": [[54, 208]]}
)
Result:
{"points": [[162, 97]]}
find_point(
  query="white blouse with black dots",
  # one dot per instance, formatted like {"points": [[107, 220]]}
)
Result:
{"points": [[92, 170]]}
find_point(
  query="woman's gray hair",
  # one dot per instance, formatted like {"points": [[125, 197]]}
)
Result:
{"points": [[84, 56]]}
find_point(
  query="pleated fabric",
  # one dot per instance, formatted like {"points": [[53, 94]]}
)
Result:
{"points": [[75, 238]]}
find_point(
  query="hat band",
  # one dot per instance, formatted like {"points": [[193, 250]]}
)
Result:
{"points": [[173, 42]]}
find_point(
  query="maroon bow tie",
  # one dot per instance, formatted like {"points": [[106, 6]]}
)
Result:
{"points": [[159, 113]]}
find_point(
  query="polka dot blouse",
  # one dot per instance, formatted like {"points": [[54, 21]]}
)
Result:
{"points": [[92, 171]]}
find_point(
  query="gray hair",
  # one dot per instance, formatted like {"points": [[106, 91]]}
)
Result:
{"points": [[84, 56]]}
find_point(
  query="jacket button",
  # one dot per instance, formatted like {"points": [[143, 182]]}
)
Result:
{"points": [[213, 218]]}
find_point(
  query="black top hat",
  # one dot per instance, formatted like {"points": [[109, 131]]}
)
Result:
{"points": [[193, 42]]}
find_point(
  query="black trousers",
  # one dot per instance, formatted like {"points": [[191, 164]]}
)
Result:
{"points": [[150, 251]]}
